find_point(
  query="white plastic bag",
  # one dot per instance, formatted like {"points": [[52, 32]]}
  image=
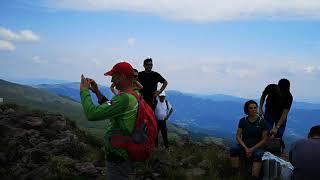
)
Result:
{"points": [[275, 168]]}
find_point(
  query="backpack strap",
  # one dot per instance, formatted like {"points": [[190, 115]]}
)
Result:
{"points": [[167, 105]]}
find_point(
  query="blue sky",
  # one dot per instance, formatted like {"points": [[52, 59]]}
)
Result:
{"points": [[200, 47]]}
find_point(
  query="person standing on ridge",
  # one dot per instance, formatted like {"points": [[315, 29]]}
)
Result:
{"points": [[121, 113], [149, 80], [162, 112]]}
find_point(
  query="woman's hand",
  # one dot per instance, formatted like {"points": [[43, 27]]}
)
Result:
{"points": [[249, 151]]}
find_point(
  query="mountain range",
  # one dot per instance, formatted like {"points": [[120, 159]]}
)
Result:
{"points": [[216, 115]]}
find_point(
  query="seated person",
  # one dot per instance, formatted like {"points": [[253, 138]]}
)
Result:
{"points": [[251, 135], [304, 156]]}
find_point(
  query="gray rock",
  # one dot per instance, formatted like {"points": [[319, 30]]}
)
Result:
{"points": [[18, 169], [3, 158], [167, 163], [9, 111], [56, 122], [86, 169], [34, 123], [196, 172], [205, 164], [155, 175], [41, 172], [25, 159], [102, 170], [186, 160], [43, 146]]}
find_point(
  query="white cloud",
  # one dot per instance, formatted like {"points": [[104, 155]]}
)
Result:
{"points": [[96, 61], [201, 11], [309, 69], [39, 60], [131, 41], [22, 35], [6, 46]]}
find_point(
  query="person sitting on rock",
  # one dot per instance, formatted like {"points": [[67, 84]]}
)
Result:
{"points": [[251, 135]]}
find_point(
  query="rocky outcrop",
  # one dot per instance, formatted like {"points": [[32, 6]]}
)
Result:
{"points": [[43, 145]]}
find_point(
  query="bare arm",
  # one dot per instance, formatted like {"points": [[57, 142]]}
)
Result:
{"points": [[283, 117], [239, 139], [262, 99], [163, 87], [169, 114]]}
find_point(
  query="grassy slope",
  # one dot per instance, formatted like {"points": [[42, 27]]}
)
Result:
{"points": [[40, 99]]}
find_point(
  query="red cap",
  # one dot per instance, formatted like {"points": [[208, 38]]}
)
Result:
{"points": [[121, 68]]}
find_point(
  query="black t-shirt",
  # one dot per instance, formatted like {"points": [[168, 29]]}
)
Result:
{"points": [[277, 101], [252, 131], [149, 81]]}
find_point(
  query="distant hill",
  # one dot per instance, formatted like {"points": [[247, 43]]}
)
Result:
{"points": [[218, 97], [44, 100], [71, 90], [34, 81], [220, 118]]}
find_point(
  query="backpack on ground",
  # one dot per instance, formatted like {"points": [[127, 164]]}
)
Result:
{"points": [[274, 167], [141, 143]]}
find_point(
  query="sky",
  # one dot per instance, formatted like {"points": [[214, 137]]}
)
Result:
{"points": [[206, 46]]}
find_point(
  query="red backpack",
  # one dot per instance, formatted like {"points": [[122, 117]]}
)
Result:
{"points": [[141, 143]]}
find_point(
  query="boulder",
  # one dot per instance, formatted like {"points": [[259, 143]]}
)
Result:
{"points": [[86, 169], [186, 160], [9, 111], [34, 123], [205, 164], [42, 171], [56, 122], [196, 172]]}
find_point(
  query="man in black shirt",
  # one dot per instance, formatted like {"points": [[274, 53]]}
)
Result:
{"points": [[149, 80], [278, 104]]}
